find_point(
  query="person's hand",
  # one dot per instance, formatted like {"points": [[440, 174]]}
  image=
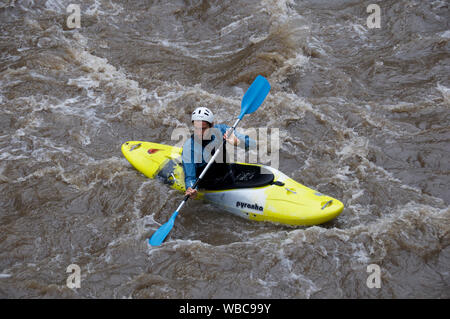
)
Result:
{"points": [[191, 192], [232, 139]]}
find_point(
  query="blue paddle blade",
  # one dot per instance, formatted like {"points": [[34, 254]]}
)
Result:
{"points": [[162, 232], [254, 96]]}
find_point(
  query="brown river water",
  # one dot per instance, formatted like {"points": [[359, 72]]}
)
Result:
{"points": [[362, 113]]}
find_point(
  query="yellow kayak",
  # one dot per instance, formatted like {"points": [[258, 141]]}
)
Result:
{"points": [[258, 192]]}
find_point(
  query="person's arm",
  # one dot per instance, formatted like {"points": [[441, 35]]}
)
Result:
{"points": [[241, 139], [189, 174], [188, 164]]}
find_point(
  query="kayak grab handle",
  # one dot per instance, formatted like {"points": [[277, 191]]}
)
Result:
{"points": [[290, 190], [278, 183], [327, 204], [135, 146]]}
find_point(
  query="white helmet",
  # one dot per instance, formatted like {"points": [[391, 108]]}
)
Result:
{"points": [[202, 114]]}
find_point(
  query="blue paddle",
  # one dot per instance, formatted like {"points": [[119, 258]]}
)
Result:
{"points": [[252, 99]]}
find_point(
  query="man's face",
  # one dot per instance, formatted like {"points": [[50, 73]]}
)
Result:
{"points": [[201, 129]]}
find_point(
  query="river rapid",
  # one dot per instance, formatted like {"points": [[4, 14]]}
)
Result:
{"points": [[362, 115]]}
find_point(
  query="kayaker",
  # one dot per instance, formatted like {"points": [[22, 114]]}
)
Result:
{"points": [[199, 149]]}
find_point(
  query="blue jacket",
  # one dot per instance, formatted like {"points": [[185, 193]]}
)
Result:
{"points": [[194, 158]]}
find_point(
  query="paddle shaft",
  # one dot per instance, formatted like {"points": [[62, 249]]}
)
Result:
{"points": [[207, 166], [252, 99]]}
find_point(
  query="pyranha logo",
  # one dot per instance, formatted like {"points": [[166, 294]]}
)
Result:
{"points": [[247, 205]]}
